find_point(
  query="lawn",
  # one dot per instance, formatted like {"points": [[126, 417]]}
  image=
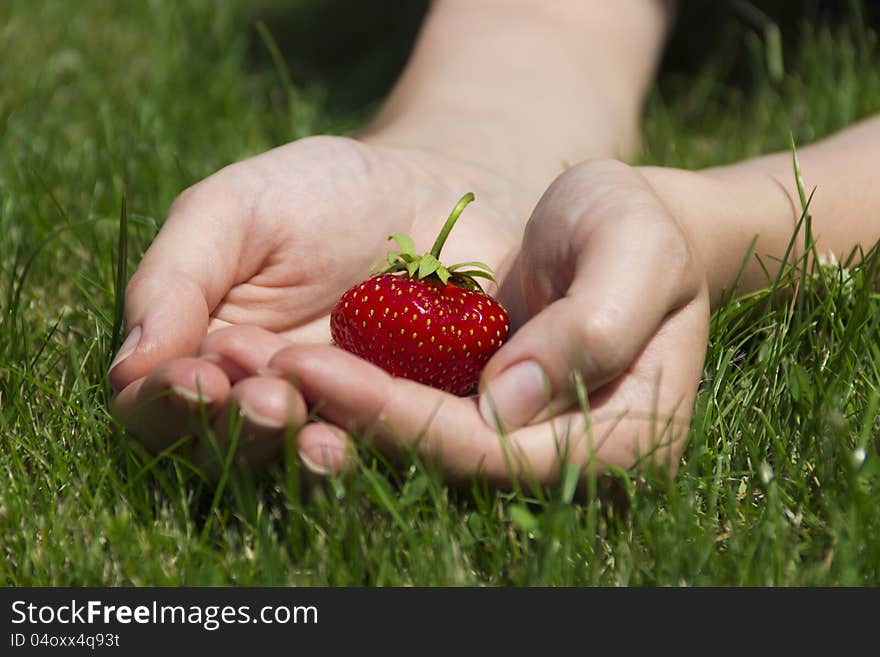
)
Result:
{"points": [[100, 101]]}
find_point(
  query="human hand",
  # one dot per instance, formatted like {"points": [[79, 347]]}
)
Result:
{"points": [[605, 286], [270, 244]]}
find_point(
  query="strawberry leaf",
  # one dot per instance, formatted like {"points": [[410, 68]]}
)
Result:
{"points": [[443, 274], [407, 246], [411, 268], [467, 283], [428, 265], [390, 269], [474, 263], [475, 272]]}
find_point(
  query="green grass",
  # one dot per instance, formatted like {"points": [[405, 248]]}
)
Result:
{"points": [[780, 481]]}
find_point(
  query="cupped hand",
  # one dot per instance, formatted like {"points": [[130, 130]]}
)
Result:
{"points": [[253, 259], [606, 296]]}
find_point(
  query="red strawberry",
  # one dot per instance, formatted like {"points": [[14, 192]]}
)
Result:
{"points": [[423, 321]]}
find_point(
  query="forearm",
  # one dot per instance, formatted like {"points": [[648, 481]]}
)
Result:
{"points": [[725, 208], [524, 87], [845, 208]]}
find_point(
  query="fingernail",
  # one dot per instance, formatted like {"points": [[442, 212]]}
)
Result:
{"points": [[515, 397], [191, 395], [311, 466], [127, 348], [270, 372], [262, 421]]}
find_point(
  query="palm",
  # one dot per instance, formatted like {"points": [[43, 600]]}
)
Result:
{"points": [[322, 212], [267, 246], [603, 285]]}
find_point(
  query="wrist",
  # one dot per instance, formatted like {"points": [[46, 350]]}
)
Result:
{"points": [[525, 88], [739, 223], [528, 159]]}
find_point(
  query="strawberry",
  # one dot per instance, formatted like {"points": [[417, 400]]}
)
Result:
{"points": [[420, 320]]}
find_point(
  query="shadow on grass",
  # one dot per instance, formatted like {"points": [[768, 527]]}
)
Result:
{"points": [[352, 52]]}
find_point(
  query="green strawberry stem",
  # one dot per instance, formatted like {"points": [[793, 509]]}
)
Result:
{"points": [[428, 265], [447, 227]]}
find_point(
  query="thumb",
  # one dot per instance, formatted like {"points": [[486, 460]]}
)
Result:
{"points": [[599, 278], [187, 270]]}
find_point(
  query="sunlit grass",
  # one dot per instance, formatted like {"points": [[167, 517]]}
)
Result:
{"points": [[780, 481]]}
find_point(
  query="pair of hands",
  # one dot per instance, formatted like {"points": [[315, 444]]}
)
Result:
{"points": [[230, 307]]}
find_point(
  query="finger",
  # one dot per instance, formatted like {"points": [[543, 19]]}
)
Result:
{"points": [[399, 415], [169, 403], [191, 264], [645, 415], [599, 276], [315, 331], [261, 413], [325, 449], [241, 351]]}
